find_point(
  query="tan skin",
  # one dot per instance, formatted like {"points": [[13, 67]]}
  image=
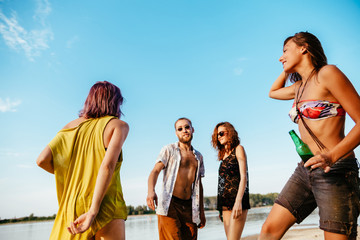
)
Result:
{"points": [[234, 220], [115, 134], [186, 173], [331, 85]]}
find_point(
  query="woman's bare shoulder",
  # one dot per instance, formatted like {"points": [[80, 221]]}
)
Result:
{"points": [[117, 123], [117, 127], [333, 78], [240, 151], [329, 70], [239, 148]]}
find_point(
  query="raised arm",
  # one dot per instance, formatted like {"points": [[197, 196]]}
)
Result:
{"points": [[342, 89], [120, 131], [241, 158], [279, 91], [151, 198]]}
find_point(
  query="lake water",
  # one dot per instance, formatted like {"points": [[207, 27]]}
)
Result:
{"points": [[145, 227]]}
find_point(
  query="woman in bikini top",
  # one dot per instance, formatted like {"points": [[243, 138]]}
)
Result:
{"points": [[322, 95], [316, 110]]}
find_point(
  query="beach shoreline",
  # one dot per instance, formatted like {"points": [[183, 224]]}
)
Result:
{"points": [[300, 234]]}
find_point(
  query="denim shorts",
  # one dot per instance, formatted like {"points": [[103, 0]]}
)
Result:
{"points": [[335, 193]]}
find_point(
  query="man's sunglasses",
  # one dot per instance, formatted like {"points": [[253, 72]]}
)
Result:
{"points": [[186, 127]]}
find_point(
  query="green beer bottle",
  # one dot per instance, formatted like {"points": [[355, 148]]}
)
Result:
{"points": [[302, 148]]}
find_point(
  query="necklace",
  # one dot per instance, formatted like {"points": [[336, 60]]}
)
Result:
{"points": [[320, 145], [299, 95]]}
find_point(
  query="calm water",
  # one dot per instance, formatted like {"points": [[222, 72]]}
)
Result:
{"points": [[145, 227]]}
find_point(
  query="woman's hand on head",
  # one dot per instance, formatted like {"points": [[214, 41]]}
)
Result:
{"points": [[279, 91]]}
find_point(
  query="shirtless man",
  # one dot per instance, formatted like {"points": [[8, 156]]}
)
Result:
{"points": [[180, 208]]}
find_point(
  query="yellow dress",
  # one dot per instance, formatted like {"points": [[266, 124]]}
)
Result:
{"points": [[77, 155]]}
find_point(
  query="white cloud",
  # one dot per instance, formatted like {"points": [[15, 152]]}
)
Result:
{"points": [[239, 70], [43, 10], [31, 42], [7, 153], [8, 106], [24, 166], [72, 41]]}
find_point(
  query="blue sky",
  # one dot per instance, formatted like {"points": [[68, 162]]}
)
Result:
{"points": [[210, 61]]}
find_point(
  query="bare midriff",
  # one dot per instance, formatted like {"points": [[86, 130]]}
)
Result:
{"points": [[329, 131]]}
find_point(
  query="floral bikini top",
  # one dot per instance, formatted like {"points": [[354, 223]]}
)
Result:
{"points": [[316, 110]]}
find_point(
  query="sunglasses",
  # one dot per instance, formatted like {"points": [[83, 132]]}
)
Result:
{"points": [[186, 127], [221, 134]]}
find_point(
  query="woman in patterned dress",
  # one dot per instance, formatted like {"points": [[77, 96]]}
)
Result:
{"points": [[233, 186]]}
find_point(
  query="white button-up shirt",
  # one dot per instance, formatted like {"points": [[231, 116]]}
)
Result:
{"points": [[170, 156]]}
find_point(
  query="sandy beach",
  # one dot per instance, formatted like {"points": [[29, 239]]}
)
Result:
{"points": [[301, 234]]}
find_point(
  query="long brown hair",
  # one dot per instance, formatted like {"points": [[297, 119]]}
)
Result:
{"points": [[104, 99], [232, 134], [313, 47]]}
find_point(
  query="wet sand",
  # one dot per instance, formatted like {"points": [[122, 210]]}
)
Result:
{"points": [[301, 234]]}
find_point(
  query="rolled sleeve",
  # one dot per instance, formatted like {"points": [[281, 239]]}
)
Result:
{"points": [[164, 156]]}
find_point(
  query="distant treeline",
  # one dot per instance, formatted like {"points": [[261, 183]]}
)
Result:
{"points": [[139, 210], [256, 200], [259, 200], [31, 217]]}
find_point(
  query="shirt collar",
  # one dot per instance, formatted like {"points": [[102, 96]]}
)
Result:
{"points": [[177, 144]]}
